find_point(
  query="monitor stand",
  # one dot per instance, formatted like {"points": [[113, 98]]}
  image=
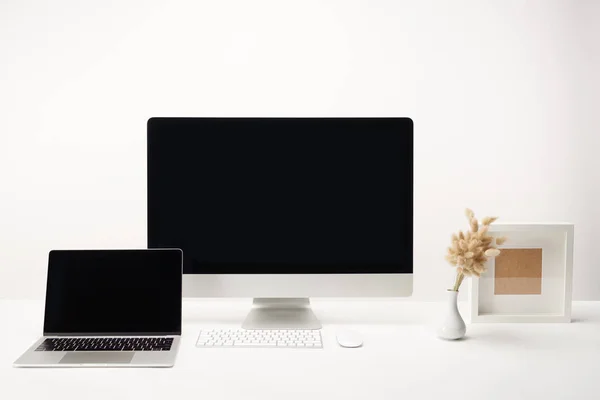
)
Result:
{"points": [[281, 313]]}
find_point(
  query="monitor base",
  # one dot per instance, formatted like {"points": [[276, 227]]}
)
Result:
{"points": [[274, 313]]}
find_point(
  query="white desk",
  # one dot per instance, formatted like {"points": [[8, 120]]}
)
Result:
{"points": [[401, 359]]}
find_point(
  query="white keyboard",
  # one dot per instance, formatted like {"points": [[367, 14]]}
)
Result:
{"points": [[260, 338]]}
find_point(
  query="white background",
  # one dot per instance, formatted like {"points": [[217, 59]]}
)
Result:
{"points": [[504, 95]]}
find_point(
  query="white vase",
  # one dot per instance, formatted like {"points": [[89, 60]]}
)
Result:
{"points": [[453, 327]]}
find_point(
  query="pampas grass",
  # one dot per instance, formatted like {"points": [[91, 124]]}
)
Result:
{"points": [[469, 250]]}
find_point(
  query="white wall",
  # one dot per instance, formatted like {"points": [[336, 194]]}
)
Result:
{"points": [[504, 95]]}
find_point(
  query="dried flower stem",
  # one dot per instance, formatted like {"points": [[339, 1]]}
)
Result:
{"points": [[459, 278]]}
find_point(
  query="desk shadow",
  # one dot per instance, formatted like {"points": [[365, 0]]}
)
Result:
{"points": [[499, 338], [398, 320], [199, 319], [330, 319], [579, 320]]}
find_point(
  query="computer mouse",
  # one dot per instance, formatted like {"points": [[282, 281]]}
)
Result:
{"points": [[349, 339]]}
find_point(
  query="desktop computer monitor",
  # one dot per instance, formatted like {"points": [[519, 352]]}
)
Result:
{"points": [[283, 209]]}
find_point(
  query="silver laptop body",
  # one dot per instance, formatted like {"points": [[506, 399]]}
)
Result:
{"points": [[110, 308], [33, 358]]}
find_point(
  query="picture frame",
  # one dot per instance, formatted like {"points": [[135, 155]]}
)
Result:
{"points": [[532, 278]]}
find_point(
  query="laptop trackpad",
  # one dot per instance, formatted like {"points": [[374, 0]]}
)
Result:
{"points": [[94, 357]]}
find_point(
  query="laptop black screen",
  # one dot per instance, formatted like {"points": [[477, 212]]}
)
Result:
{"points": [[113, 292]]}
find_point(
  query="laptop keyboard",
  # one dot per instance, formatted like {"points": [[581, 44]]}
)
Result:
{"points": [[106, 344]]}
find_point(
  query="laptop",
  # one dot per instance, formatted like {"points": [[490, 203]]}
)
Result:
{"points": [[110, 308]]}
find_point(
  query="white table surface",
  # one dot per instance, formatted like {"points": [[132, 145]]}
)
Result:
{"points": [[401, 359]]}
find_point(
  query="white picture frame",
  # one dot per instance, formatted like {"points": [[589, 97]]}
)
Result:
{"points": [[554, 302]]}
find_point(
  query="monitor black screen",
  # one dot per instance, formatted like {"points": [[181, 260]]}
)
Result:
{"points": [[282, 195], [113, 292]]}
